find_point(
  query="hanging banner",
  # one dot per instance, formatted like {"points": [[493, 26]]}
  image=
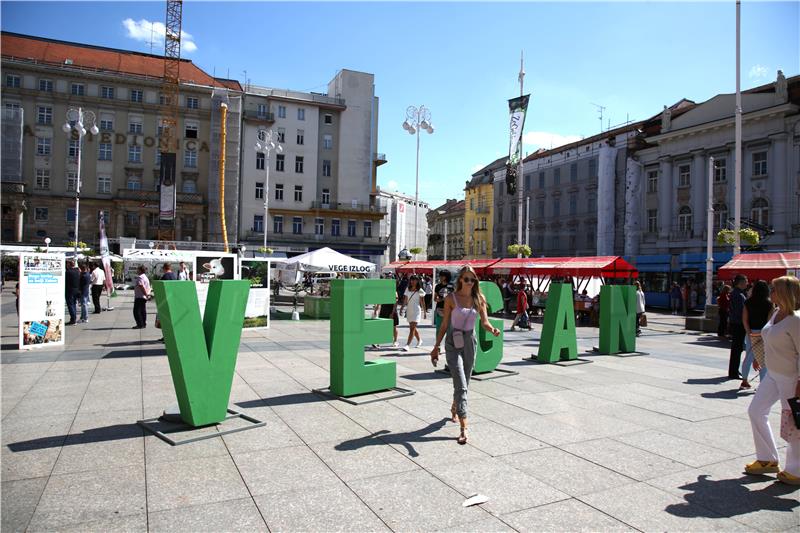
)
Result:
{"points": [[104, 254], [257, 271], [517, 107], [167, 183], [41, 300], [400, 231]]}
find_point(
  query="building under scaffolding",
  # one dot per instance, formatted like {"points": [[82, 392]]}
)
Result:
{"points": [[233, 138]]}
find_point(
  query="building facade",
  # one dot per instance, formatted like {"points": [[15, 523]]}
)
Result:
{"points": [[119, 173], [321, 189], [479, 211], [446, 224], [397, 227]]}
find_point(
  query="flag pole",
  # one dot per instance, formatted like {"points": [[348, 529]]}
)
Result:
{"points": [[520, 178], [737, 158]]}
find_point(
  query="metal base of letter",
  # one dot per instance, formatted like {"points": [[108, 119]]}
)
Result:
{"points": [[151, 425], [497, 373], [401, 393], [596, 351], [563, 362]]}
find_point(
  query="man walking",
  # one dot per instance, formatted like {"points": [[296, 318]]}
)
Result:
{"points": [[85, 285], [72, 279], [738, 298], [183, 273], [522, 311], [141, 293], [98, 281]]}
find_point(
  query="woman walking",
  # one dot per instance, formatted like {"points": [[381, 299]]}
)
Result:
{"points": [[756, 312], [414, 304], [781, 336], [461, 309]]}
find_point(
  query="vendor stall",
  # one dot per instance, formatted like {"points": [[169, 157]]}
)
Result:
{"points": [[764, 266]]}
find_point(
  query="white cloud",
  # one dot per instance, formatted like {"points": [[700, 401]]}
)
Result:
{"points": [[145, 31], [758, 72], [547, 140], [392, 185]]}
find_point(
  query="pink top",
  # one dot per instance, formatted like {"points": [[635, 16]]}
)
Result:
{"points": [[463, 318], [142, 287]]}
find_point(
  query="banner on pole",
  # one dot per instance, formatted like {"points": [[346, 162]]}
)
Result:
{"points": [[104, 254], [517, 107], [167, 189], [41, 300]]}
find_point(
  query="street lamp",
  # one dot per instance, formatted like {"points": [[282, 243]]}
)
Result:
{"points": [[445, 233], [417, 118], [267, 141], [77, 120], [47, 242]]}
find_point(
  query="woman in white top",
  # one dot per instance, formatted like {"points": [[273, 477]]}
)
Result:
{"points": [[781, 336], [414, 303], [640, 308]]}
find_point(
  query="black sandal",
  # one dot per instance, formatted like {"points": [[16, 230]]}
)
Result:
{"points": [[462, 439]]}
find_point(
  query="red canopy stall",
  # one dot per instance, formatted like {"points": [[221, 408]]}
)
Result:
{"points": [[767, 266]]}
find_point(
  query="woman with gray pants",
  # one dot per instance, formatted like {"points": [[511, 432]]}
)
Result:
{"points": [[461, 310]]}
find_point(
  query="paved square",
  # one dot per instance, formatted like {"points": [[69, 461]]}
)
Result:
{"points": [[652, 443]]}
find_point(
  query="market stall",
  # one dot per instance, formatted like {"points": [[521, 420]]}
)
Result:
{"points": [[764, 266]]}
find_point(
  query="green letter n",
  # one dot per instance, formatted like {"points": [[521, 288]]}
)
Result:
{"points": [[202, 353], [617, 319]]}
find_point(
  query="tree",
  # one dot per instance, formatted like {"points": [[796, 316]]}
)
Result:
{"points": [[747, 236], [263, 250], [415, 251], [519, 249]]}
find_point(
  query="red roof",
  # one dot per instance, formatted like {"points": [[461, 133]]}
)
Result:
{"points": [[761, 266], [602, 266], [58, 53]]}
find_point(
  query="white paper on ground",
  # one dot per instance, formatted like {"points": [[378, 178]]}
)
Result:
{"points": [[475, 499]]}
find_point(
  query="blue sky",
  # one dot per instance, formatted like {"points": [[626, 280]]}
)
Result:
{"points": [[461, 60]]}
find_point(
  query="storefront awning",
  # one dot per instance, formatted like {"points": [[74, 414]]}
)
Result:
{"points": [[766, 266]]}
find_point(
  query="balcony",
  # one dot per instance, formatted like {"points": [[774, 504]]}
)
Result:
{"points": [[11, 187], [263, 118], [153, 196], [357, 208], [681, 235], [379, 159]]}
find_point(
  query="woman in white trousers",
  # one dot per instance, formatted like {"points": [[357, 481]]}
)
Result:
{"points": [[781, 336]]}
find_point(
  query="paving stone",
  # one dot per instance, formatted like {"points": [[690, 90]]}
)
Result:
{"points": [[158, 451], [432, 444], [275, 434], [594, 422], [675, 448], [19, 501], [566, 515], [229, 515], [363, 458], [496, 440], [487, 525], [90, 496], [107, 449], [624, 459], [133, 523], [284, 469]]}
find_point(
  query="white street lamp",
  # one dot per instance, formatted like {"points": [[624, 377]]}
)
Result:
{"points": [[76, 119], [47, 242], [417, 118], [267, 141]]}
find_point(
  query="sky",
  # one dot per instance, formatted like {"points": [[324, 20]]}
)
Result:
{"points": [[461, 60]]}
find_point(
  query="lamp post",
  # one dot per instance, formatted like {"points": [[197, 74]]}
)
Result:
{"points": [[417, 118], [445, 233], [267, 141], [77, 119], [47, 242]]}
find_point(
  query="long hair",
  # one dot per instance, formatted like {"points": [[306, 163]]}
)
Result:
{"points": [[786, 293], [477, 296], [415, 279], [760, 292]]}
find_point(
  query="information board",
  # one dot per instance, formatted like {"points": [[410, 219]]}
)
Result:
{"points": [[41, 300]]}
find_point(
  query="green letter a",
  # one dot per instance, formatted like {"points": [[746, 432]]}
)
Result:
{"points": [[490, 349], [558, 339], [617, 319], [202, 354]]}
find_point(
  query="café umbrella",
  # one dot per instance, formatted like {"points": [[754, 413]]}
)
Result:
{"points": [[327, 260]]}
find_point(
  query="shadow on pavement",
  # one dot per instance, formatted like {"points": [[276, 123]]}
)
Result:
{"points": [[405, 439], [706, 381], [103, 434], [730, 394], [116, 354], [288, 399], [129, 343], [423, 376]]}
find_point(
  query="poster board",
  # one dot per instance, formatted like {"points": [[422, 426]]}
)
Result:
{"points": [[209, 266], [41, 300], [258, 271]]}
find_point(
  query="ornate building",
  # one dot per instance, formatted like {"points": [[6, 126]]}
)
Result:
{"points": [[446, 224]]}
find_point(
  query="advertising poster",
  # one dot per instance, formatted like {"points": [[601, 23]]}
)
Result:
{"points": [[41, 300], [400, 231], [209, 267], [258, 272]]}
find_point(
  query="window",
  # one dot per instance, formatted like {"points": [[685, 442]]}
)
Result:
{"points": [[557, 207], [262, 111], [158, 159], [326, 196], [367, 228], [326, 167], [104, 153], [554, 242], [13, 106], [592, 168], [189, 186], [70, 214], [298, 164], [685, 219], [13, 81], [277, 224], [134, 182], [43, 179], [160, 129], [72, 181], [44, 115], [327, 141], [281, 111], [573, 203], [541, 208], [297, 225], [134, 153], [190, 130], [281, 135], [279, 191], [280, 160], [573, 172], [41, 214], [301, 113], [652, 181], [759, 164], [557, 176], [298, 193], [190, 158], [258, 223], [472, 204], [137, 95], [192, 102], [73, 148], [43, 145], [527, 182], [104, 184], [77, 89], [759, 211], [720, 216], [260, 161], [300, 136], [135, 125], [107, 92], [163, 99], [46, 86], [591, 203], [591, 236], [336, 227], [259, 190], [328, 118], [106, 124], [720, 174], [652, 221], [351, 228], [684, 176], [132, 219], [319, 226]]}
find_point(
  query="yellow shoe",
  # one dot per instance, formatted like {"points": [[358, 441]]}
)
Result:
{"points": [[789, 479], [757, 468]]}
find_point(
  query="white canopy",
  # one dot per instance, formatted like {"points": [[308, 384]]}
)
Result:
{"points": [[327, 260]]}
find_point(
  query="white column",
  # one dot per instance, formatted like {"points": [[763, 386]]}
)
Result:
{"points": [[605, 200], [19, 218], [778, 193], [142, 225], [120, 224], [699, 181], [666, 198], [634, 206], [198, 228]]}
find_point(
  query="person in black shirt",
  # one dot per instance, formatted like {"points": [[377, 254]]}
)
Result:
{"points": [[737, 328], [72, 289], [168, 275], [387, 311], [755, 315], [85, 286], [440, 293]]}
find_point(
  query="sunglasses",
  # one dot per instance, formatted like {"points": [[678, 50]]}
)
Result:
{"points": [[468, 280]]}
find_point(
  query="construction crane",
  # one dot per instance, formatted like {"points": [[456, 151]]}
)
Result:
{"points": [[168, 144]]}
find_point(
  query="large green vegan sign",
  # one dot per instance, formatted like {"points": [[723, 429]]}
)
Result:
{"points": [[202, 352], [490, 348], [617, 319], [558, 340], [350, 332]]}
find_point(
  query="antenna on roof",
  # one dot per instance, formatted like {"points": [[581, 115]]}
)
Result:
{"points": [[600, 109], [152, 36]]}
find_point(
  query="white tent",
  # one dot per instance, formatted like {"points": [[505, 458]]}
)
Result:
{"points": [[327, 260]]}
